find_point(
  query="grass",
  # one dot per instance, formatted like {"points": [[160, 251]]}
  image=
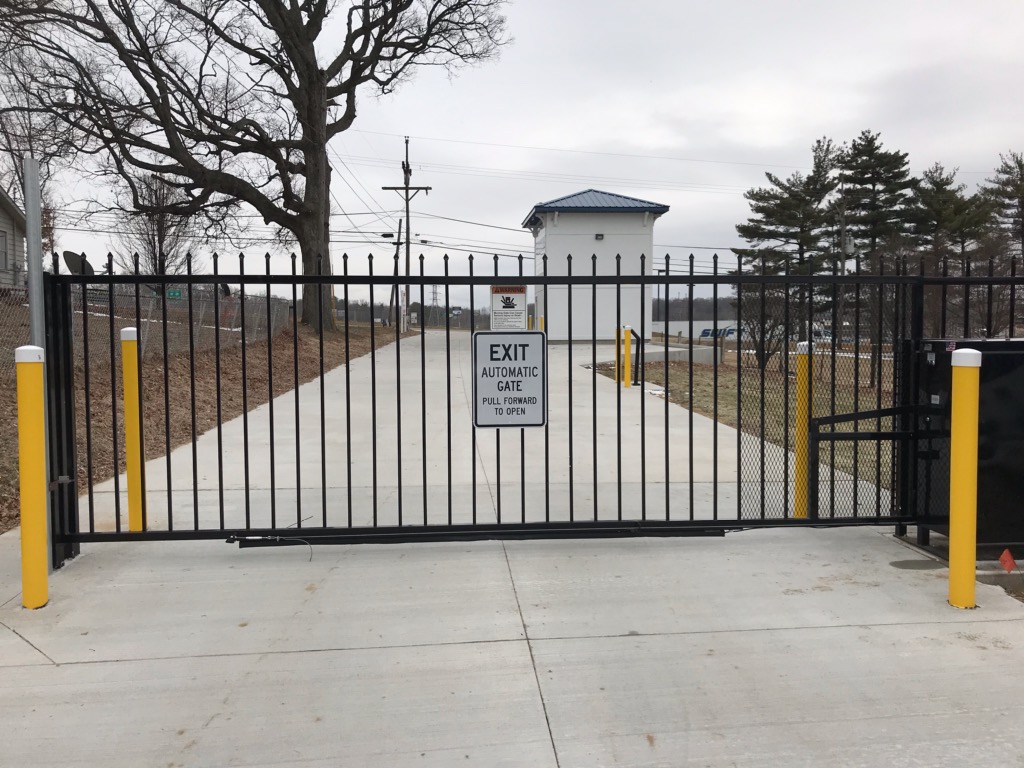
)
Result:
{"points": [[744, 394]]}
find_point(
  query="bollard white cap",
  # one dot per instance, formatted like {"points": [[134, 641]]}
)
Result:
{"points": [[28, 354], [966, 358], [129, 334], [804, 347]]}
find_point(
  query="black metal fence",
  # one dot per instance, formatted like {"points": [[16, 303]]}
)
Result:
{"points": [[286, 433]]}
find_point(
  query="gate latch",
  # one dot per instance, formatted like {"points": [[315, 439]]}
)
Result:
{"points": [[61, 480]]}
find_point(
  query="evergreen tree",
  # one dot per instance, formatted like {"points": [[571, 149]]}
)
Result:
{"points": [[1006, 191], [789, 221], [947, 228], [876, 191], [788, 232], [935, 204]]}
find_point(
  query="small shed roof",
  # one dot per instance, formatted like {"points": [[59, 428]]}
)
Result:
{"points": [[594, 201], [11, 209]]}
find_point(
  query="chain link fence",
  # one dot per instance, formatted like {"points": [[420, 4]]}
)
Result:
{"points": [[179, 320], [14, 329], [204, 320]]}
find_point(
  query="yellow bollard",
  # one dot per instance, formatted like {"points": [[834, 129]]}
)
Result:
{"points": [[802, 428], [542, 322], [963, 478], [618, 354], [627, 372], [133, 447], [35, 566], [529, 323]]}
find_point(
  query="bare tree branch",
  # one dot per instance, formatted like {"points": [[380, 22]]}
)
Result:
{"points": [[234, 100]]}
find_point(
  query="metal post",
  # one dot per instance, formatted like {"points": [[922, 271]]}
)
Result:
{"points": [[133, 447], [963, 478], [32, 477], [34, 252], [801, 427]]}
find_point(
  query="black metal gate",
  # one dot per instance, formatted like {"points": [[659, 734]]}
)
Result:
{"points": [[262, 429]]}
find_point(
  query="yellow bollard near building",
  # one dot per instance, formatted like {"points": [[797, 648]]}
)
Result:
{"points": [[963, 478], [35, 565], [134, 458], [542, 322], [802, 429], [627, 369], [618, 354]]}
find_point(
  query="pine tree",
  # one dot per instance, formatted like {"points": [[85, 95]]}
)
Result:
{"points": [[788, 232], [876, 192], [1006, 191], [947, 227], [934, 206], [790, 217]]}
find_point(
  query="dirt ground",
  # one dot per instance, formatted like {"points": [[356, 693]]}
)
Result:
{"points": [[94, 426]]}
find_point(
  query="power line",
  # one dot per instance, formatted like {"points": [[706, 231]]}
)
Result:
{"points": [[475, 223], [505, 173], [592, 152]]}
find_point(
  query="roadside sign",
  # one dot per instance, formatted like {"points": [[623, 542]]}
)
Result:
{"points": [[174, 293], [510, 379], [456, 311], [508, 308]]}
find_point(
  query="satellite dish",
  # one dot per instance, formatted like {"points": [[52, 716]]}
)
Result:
{"points": [[77, 264]]}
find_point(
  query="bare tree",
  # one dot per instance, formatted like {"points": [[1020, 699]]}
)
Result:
{"points": [[237, 100], [161, 239], [27, 133]]}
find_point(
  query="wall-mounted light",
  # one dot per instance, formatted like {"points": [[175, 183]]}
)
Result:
{"points": [[599, 236]]}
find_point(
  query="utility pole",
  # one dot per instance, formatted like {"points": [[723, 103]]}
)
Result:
{"points": [[407, 193], [395, 297]]}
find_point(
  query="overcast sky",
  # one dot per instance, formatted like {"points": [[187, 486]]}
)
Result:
{"points": [[688, 104], [682, 103]]}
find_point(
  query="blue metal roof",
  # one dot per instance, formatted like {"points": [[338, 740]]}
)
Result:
{"points": [[595, 201]]}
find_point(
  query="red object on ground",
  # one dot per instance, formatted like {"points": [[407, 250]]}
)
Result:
{"points": [[1006, 560]]}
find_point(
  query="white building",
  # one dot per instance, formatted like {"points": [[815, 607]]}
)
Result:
{"points": [[12, 242], [581, 226]]}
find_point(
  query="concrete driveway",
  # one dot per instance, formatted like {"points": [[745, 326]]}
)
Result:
{"points": [[764, 648]]}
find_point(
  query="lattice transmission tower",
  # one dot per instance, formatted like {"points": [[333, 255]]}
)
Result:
{"points": [[436, 315]]}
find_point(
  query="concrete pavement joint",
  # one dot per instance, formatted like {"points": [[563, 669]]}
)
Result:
{"points": [[533, 661], [32, 645], [967, 619], [261, 653]]}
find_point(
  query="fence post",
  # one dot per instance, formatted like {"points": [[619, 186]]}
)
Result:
{"points": [[133, 447], [627, 357], [32, 477], [802, 426], [963, 478]]}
